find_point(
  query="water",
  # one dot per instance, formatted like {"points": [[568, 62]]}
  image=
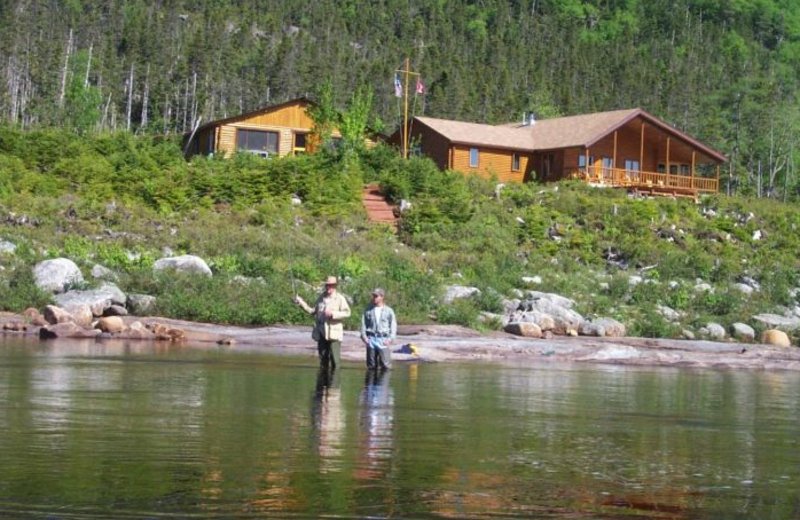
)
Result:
{"points": [[89, 430]]}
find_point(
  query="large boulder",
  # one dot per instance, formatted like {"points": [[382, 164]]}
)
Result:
{"points": [[57, 275], [81, 315], [111, 324], [776, 321], [526, 330], [775, 337], [98, 300], [455, 292], [54, 315], [66, 330], [189, 264]]}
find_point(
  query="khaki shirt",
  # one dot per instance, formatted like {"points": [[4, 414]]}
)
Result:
{"points": [[330, 329]]}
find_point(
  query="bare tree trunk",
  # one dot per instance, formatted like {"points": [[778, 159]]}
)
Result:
{"points": [[759, 180], [789, 168], [105, 113], [65, 71], [194, 98], [88, 67], [130, 100], [185, 104], [145, 97]]}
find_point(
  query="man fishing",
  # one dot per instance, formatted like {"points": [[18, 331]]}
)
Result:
{"points": [[378, 330], [329, 311]]}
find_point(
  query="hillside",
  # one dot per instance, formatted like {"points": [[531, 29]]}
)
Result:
{"points": [[725, 72], [124, 202]]}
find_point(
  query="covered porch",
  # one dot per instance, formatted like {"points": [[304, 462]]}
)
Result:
{"points": [[690, 184]]}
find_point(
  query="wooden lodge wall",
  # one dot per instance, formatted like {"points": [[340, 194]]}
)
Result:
{"points": [[492, 161]]}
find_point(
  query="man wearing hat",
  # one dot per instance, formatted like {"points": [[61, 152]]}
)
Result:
{"points": [[378, 330], [329, 310]]}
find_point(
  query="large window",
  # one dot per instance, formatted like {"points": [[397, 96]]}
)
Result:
{"points": [[300, 142], [631, 165], [257, 141], [473, 157], [582, 161]]}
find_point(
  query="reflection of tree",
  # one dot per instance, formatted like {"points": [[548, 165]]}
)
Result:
{"points": [[375, 425], [328, 419]]}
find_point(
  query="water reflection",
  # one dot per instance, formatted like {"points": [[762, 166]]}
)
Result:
{"points": [[328, 419], [376, 423]]}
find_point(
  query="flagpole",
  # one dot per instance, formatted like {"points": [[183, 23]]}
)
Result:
{"points": [[405, 114]]}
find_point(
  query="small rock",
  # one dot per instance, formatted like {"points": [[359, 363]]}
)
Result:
{"points": [[454, 292], [775, 337], [183, 264], [635, 280], [687, 334], [7, 247], [743, 288], [532, 280], [227, 341], [116, 310], [668, 313], [81, 315], [713, 331], [102, 272], [703, 287]]}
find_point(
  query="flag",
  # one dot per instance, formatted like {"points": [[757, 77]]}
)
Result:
{"points": [[398, 88], [420, 87]]}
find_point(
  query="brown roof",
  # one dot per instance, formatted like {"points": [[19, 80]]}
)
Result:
{"points": [[548, 134], [247, 115]]}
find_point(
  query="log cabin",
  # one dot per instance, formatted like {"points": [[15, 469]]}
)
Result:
{"points": [[273, 131], [624, 148]]}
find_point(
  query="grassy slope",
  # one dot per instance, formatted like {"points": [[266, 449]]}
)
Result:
{"points": [[236, 215]]}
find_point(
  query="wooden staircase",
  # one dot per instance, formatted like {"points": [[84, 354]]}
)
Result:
{"points": [[378, 210]]}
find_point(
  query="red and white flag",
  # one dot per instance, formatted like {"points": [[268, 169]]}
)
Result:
{"points": [[420, 87]]}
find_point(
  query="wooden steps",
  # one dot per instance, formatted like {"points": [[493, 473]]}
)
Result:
{"points": [[378, 210]]}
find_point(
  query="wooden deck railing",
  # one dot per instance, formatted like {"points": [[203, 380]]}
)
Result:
{"points": [[639, 179]]}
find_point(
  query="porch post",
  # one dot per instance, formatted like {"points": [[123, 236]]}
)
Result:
{"points": [[641, 149], [667, 169], [587, 165], [693, 162], [614, 160], [716, 170]]}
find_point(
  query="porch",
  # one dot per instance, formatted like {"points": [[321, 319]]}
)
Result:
{"points": [[666, 183]]}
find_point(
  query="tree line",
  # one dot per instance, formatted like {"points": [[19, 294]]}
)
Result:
{"points": [[726, 72]]}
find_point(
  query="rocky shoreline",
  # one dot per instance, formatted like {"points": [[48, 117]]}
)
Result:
{"points": [[442, 343]]}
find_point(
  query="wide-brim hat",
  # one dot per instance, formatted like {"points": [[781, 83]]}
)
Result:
{"points": [[331, 280]]}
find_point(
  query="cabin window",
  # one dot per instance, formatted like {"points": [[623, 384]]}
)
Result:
{"points": [[416, 150], [631, 165], [582, 160], [685, 169], [473, 157], [673, 169], [515, 162], [257, 141], [662, 168], [300, 141]]}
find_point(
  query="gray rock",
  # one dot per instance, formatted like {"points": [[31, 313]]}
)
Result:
{"points": [[141, 304], [774, 321], [489, 317], [116, 310], [743, 331], [544, 321], [98, 300], [713, 331], [589, 328], [454, 292], [742, 288], [54, 315], [57, 275], [81, 315], [7, 247], [668, 313], [635, 280], [703, 287], [102, 272], [556, 299], [612, 327], [183, 264], [532, 280], [687, 334]]}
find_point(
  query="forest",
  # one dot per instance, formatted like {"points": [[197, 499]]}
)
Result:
{"points": [[727, 72]]}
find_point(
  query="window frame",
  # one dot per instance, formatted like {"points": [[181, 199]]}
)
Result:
{"points": [[243, 132], [515, 162], [477, 159]]}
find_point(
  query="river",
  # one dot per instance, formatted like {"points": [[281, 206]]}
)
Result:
{"points": [[93, 430]]}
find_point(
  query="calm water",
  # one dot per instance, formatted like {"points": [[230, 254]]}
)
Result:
{"points": [[108, 431]]}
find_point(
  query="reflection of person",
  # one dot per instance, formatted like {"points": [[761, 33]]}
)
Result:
{"points": [[328, 419], [378, 330], [329, 310], [376, 425]]}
